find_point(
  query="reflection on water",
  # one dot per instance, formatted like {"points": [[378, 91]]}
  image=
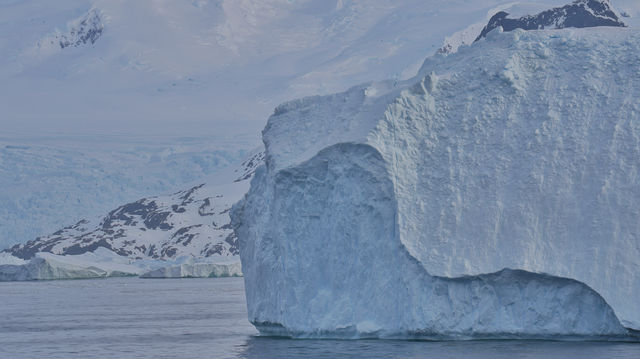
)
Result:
{"points": [[205, 318], [260, 347]]}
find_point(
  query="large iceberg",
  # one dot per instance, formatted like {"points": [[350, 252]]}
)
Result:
{"points": [[496, 194]]}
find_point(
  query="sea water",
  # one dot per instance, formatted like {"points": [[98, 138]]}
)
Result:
{"points": [[205, 318]]}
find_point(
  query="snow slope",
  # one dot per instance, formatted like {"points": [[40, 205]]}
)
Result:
{"points": [[381, 210], [161, 66]]}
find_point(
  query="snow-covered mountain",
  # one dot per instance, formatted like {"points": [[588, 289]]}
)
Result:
{"points": [[149, 67], [193, 222], [214, 65], [52, 181], [393, 209], [106, 101]]}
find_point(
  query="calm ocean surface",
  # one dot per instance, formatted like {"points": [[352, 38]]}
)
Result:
{"points": [[205, 318]]}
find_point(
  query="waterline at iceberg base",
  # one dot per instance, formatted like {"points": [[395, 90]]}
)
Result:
{"points": [[381, 210]]}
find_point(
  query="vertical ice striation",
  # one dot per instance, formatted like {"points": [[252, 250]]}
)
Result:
{"points": [[392, 210]]}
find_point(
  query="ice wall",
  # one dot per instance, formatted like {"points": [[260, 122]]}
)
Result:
{"points": [[47, 266], [194, 269], [381, 209]]}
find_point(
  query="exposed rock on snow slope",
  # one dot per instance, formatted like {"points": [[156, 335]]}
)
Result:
{"points": [[193, 222], [580, 13], [248, 167], [379, 209], [551, 14], [83, 31]]}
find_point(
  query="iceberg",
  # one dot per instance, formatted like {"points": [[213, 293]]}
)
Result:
{"points": [[8, 258], [495, 194], [103, 263], [47, 266], [192, 268]]}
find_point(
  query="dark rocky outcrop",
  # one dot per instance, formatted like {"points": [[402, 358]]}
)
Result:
{"points": [[86, 32], [580, 13]]}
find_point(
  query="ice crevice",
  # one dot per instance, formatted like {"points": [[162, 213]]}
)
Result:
{"points": [[393, 210]]}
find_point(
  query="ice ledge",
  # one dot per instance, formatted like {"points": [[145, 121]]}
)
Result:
{"points": [[532, 288], [193, 269]]}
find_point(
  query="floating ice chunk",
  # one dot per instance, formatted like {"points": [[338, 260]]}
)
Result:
{"points": [[195, 269], [48, 266]]}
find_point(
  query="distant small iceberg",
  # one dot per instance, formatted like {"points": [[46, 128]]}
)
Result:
{"points": [[194, 269], [103, 263], [47, 266]]}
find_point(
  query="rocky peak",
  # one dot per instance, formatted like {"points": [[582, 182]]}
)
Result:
{"points": [[580, 13]]}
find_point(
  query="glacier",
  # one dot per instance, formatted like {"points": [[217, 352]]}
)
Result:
{"points": [[495, 194]]}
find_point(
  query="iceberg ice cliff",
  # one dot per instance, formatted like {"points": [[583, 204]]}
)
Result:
{"points": [[48, 266], [192, 268], [103, 263], [432, 207]]}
